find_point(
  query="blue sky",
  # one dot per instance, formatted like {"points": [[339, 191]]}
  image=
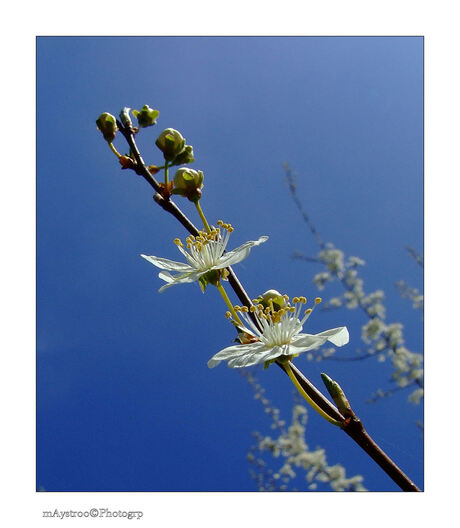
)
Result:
{"points": [[125, 401]]}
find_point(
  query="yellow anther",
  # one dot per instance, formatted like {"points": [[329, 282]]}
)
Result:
{"points": [[230, 229], [286, 297], [295, 300], [228, 315], [178, 242], [260, 307], [237, 308], [245, 309], [256, 301], [308, 311], [303, 300], [318, 300], [253, 309], [219, 222], [291, 309]]}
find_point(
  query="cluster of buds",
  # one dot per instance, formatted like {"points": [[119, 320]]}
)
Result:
{"points": [[187, 182]]}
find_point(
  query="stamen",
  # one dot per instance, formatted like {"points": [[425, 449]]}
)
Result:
{"points": [[308, 311], [178, 242], [318, 300], [303, 300], [228, 315], [245, 309], [295, 300]]}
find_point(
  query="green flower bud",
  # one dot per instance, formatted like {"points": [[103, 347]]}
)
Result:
{"points": [[146, 117], [171, 143], [188, 183], [107, 124], [272, 297], [186, 156]]}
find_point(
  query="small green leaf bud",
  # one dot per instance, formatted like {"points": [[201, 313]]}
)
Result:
{"points": [[186, 156], [146, 117], [171, 143], [107, 124], [188, 183]]}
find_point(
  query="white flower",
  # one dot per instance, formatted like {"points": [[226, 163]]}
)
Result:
{"points": [[204, 253], [280, 336]]}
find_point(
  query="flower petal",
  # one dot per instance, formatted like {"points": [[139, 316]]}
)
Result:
{"points": [[181, 278], [304, 342], [167, 264], [234, 351], [337, 336], [239, 254], [255, 357]]}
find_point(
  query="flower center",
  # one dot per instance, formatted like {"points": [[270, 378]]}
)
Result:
{"points": [[279, 325], [204, 250]]}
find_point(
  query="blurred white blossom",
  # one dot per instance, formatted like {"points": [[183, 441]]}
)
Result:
{"points": [[291, 456]]}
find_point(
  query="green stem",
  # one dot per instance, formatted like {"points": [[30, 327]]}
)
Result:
{"points": [[307, 398], [203, 218], [228, 303], [114, 150]]}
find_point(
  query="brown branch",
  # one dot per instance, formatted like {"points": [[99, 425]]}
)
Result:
{"points": [[355, 429]]}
